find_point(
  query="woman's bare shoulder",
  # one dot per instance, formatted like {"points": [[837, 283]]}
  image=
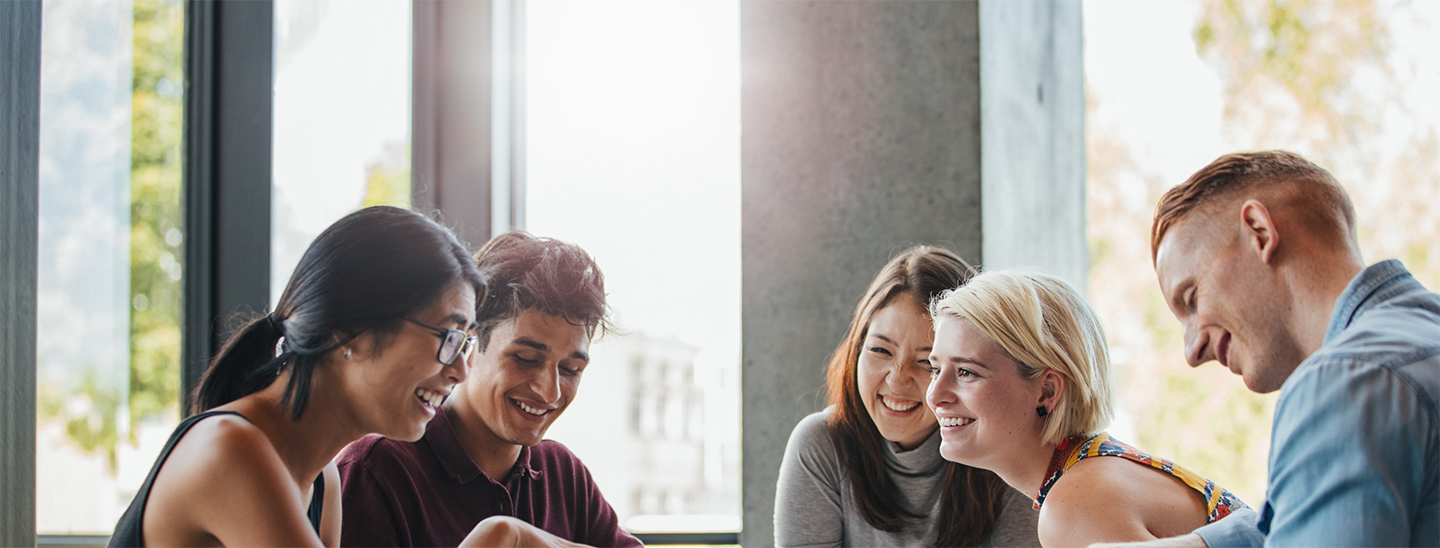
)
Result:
{"points": [[223, 446], [1096, 500], [1138, 501], [229, 431], [224, 473]]}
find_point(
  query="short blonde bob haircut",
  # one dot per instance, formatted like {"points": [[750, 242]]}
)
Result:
{"points": [[1042, 323]]}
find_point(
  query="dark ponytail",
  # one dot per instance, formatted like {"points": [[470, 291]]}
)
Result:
{"points": [[228, 378], [365, 273]]}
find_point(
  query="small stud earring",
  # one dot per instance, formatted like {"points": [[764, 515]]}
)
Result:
{"points": [[1042, 410], [347, 353]]}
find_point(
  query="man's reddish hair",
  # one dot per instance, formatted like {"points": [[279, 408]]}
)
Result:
{"points": [[1283, 180]]}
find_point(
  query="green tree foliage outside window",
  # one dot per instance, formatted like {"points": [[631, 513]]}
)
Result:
{"points": [[387, 180], [156, 232], [156, 241]]}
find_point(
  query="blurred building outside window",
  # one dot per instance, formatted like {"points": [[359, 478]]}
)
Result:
{"points": [[633, 153]]}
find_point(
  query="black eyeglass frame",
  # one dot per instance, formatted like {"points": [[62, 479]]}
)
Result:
{"points": [[465, 347]]}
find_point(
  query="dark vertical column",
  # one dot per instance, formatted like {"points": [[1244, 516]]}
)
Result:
{"points": [[229, 76], [19, 218], [451, 117], [860, 136], [424, 94]]}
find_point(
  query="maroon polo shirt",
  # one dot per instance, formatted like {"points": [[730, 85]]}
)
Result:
{"points": [[429, 493]]}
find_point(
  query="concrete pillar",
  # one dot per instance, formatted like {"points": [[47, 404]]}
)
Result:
{"points": [[1032, 133], [867, 127]]}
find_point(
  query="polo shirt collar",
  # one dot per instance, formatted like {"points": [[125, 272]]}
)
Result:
{"points": [[440, 437]]}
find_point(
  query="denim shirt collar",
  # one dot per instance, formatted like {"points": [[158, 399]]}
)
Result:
{"points": [[1357, 296]]}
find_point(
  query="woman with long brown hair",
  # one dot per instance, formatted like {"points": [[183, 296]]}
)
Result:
{"points": [[867, 470]]}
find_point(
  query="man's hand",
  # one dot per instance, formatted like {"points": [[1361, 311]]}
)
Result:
{"points": [[508, 532], [1184, 541]]}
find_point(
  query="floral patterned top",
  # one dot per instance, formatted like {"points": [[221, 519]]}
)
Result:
{"points": [[1219, 502]]}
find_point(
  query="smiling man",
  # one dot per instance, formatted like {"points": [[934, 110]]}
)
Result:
{"points": [[1258, 258], [483, 455]]}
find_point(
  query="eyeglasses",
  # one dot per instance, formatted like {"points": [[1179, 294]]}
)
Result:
{"points": [[454, 343]]}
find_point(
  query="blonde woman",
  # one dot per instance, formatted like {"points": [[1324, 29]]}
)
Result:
{"points": [[1021, 387]]}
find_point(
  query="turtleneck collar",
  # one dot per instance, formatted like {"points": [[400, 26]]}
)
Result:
{"points": [[924, 460]]}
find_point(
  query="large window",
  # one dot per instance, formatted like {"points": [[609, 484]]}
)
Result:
{"points": [[111, 230], [1173, 85], [109, 255], [633, 122]]}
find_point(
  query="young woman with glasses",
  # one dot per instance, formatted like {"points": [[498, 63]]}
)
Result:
{"points": [[371, 334]]}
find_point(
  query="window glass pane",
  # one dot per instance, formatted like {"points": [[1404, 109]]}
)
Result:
{"points": [[109, 254], [1349, 85], [633, 124], [342, 118]]}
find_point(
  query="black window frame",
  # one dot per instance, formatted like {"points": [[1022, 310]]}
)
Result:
{"points": [[20, 22]]}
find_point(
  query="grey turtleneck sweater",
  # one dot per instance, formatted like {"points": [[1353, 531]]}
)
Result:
{"points": [[815, 504]]}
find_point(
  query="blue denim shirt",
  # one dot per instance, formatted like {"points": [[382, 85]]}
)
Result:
{"points": [[1355, 453]]}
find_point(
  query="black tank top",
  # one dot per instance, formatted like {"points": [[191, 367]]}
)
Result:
{"points": [[129, 530]]}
